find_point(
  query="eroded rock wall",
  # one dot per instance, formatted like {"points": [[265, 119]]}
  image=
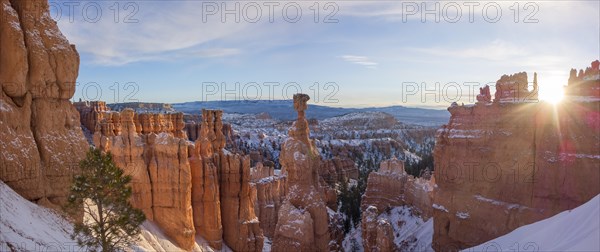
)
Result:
{"points": [[186, 187], [503, 165], [161, 174], [270, 193], [41, 139]]}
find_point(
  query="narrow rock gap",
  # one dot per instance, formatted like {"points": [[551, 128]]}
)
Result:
{"points": [[148, 156], [533, 172]]}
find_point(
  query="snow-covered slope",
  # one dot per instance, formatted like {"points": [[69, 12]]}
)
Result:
{"points": [[411, 233], [573, 230], [25, 226]]}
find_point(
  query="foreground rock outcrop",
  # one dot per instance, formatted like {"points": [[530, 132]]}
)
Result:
{"points": [[41, 139], [303, 221], [506, 164]]}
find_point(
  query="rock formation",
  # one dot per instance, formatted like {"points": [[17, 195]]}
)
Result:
{"points": [[41, 139], [390, 187], [484, 95], [241, 228], [158, 164], [223, 198], [186, 187], [586, 84], [90, 113], [97, 116], [206, 200], [500, 166], [515, 88], [302, 219], [270, 192], [377, 233], [338, 169]]}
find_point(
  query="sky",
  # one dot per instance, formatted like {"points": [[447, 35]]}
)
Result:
{"points": [[341, 53]]}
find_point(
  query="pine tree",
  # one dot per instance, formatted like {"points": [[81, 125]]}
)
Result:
{"points": [[102, 191]]}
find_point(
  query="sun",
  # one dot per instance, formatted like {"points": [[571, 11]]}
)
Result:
{"points": [[552, 94], [551, 90]]}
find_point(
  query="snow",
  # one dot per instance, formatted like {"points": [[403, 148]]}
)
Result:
{"points": [[153, 239], [590, 156], [411, 233], [26, 226], [591, 77], [163, 138], [4, 107], [498, 203], [583, 98], [10, 11], [353, 240], [424, 185], [440, 207], [462, 215], [267, 245], [573, 230], [299, 156], [456, 133]]}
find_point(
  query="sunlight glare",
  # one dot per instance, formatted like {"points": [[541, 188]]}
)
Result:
{"points": [[551, 90]]}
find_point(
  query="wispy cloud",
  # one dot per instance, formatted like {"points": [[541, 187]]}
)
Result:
{"points": [[496, 50], [162, 31], [360, 60]]}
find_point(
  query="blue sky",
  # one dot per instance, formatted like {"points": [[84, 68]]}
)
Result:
{"points": [[375, 53]]}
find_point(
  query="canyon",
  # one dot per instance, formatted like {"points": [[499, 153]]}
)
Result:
{"points": [[251, 183]]}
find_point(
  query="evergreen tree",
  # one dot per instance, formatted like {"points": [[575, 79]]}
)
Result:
{"points": [[103, 192]]}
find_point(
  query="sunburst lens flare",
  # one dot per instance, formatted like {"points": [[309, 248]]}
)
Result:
{"points": [[552, 90]]}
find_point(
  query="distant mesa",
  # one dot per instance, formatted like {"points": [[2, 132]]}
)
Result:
{"points": [[140, 107]]}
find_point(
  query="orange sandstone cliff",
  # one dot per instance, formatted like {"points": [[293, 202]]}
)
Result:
{"points": [[187, 188], [42, 141], [512, 162]]}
